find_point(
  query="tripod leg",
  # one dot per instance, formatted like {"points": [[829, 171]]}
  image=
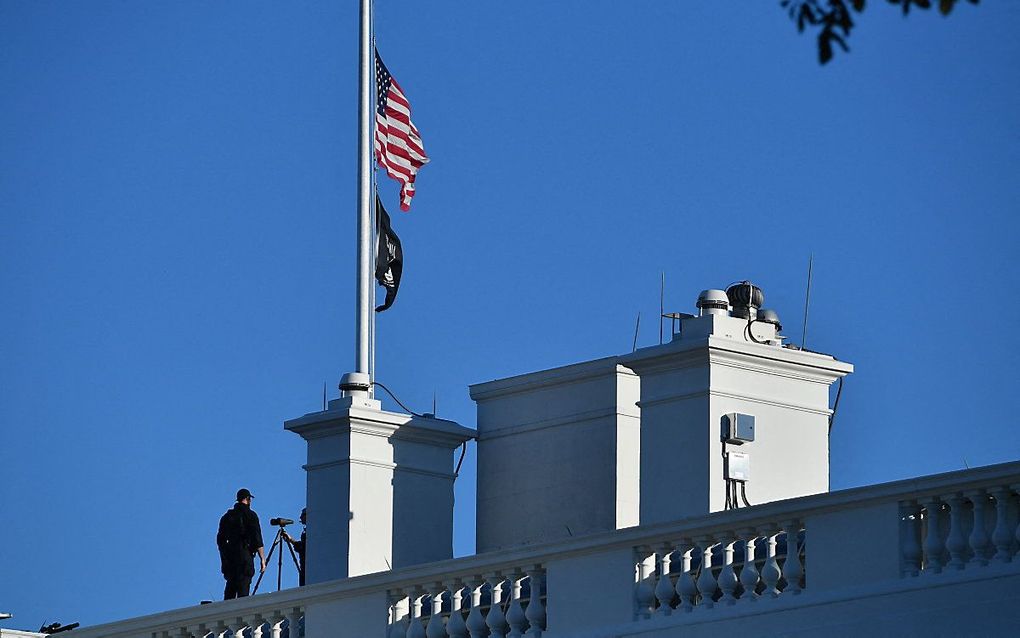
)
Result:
{"points": [[276, 541], [290, 546], [279, 561]]}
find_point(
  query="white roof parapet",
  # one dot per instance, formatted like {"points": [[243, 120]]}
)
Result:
{"points": [[803, 363], [443, 571], [572, 373]]}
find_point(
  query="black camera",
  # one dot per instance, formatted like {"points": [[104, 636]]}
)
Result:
{"points": [[281, 521]]}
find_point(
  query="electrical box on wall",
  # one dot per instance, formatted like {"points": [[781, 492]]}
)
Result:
{"points": [[737, 428], [738, 466]]}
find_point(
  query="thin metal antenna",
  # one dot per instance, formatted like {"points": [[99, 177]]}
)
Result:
{"points": [[433, 403], [662, 288], [807, 301], [324, 396], [637, 327]]}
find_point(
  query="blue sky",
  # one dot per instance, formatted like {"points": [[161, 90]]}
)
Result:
{"points": [[177, 191]]}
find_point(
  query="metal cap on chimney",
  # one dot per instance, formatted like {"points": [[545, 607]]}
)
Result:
{"points": [[770, 316], [745, 298], [713, 302]]}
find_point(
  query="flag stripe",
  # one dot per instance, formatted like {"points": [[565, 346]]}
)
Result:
{"points": [[398, 145]]}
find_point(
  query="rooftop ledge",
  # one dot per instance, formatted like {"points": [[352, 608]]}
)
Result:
{"points": [[821, 514]]}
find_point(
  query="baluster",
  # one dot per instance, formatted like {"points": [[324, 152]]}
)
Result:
{"points": [[664, 590], [1003, 535], [685, 587], [236, 628], [956, 543], [727, 577], [933, 546], [792, 567], [910, 535], [415, 628], [495, 619], [536, 610], [400, 609], [436, 629], [276, 625], [978, 534], [456, 627], [475, 621], [515, 613], [294, 617], [645, 593], [256, 622], [706, 580], [749, 573], [770, 573]]}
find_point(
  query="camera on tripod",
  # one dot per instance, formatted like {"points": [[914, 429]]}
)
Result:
{"points": [[282, 539]]}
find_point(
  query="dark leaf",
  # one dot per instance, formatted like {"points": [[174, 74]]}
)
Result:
{"points": [[840, 41], [845, 22], [824, 49], [945, 6], [806, 16], [858, 5]]}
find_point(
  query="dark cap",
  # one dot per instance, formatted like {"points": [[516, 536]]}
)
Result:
{"points": [[243, 493]]}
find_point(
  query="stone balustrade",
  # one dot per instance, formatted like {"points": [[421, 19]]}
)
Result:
{"points": [[960, 529], [946, 542], [500, 604], [254, 621], [710, 567]]}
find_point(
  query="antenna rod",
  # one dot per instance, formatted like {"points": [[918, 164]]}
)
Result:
{"points": [[662, 287], [637, 327], [807, 301]]}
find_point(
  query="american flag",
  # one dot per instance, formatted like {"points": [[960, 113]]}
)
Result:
{"points": [[398, 146]]}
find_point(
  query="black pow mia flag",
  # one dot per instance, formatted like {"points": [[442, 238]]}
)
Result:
{"points": [[389, 256]]}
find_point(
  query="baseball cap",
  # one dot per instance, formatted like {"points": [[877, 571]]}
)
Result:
{"points": [[243, 493]]}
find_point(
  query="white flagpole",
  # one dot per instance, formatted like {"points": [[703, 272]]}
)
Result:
{"points": [[358, 383], [373, 197]]}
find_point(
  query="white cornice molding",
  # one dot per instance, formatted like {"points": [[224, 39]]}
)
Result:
{"points": [[798, 364], [432, 431], [379, 423], [565, 375]]}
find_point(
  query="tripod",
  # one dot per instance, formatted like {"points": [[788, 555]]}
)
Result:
{"points": [[280, 539]]}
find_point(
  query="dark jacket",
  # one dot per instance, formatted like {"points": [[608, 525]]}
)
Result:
{"points": [[238, 538]]}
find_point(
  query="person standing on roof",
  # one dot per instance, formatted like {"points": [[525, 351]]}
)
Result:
{"points": [[300, 545], [239, 538]]}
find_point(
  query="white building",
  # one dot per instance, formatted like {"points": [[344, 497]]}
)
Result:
{"points": [[679, 490]]}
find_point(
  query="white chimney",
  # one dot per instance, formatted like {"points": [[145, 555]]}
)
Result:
{"points": [[379, 490], [609, 443], [722, 365]]}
